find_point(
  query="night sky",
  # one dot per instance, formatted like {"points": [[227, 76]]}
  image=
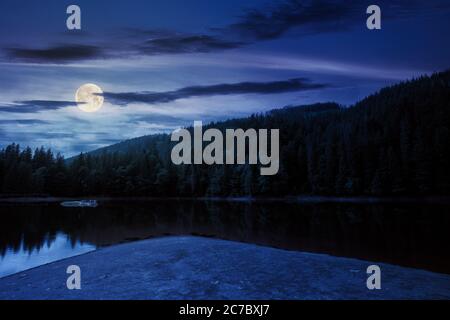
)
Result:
{"points": [[164, 63]]}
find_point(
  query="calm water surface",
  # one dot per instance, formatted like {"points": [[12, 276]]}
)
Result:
{"points": [[403, 234]]}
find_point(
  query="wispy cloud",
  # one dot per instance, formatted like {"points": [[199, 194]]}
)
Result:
{"points": [[186, 44], [291, 85], [32, 106], [23, 121], [253, 25], [143, 45], [56, 54], [273, 22], [320, 16]]}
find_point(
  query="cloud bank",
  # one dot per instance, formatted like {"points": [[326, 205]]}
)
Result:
{"points": [[32, 106], [56, 54], [291, 85]]}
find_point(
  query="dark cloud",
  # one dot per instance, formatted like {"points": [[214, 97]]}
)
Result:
{"points": [[297, 84], [254, 25], [22, 121], [271, 22], [32, 106], [277, 20], [161, 41], [318, 16], [145, 42], [56, 54], [186, 44]]}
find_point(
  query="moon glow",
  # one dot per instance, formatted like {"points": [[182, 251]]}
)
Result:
{"points": [[88, 97]]}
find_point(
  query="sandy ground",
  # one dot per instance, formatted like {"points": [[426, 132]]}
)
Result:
{"points": [[202, 268]]}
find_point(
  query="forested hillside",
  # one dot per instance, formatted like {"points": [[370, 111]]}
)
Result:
{"points": [[395, 142]]}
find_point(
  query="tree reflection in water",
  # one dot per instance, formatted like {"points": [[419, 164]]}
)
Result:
{"points": [[408, 235]]}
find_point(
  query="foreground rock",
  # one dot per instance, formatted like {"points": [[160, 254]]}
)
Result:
{"points": [[200, 268]]}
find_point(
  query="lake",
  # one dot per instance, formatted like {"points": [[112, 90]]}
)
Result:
{"points": [[413, 235]]}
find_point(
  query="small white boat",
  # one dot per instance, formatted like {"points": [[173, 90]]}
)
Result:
{"points": [[80, 204]]}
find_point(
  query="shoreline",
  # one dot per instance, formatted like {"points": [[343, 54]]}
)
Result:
{"points": [[186, 267], [302, 199]]}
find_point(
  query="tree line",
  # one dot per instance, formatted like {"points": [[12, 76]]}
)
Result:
{"points": [[394, 142]]}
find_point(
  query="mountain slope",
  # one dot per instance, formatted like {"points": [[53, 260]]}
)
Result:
{"points": [[145, 142]]}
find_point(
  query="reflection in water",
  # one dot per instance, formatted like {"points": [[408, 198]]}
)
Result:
{"points": [[409, 235], [56, 248]]}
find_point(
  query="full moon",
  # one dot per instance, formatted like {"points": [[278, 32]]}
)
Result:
{"points": [[89, 98]]}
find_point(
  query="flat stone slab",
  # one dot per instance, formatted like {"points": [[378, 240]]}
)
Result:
{"points": [[203, 268]]}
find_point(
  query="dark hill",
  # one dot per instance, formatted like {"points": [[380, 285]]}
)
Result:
{"points": [[145, 142]]}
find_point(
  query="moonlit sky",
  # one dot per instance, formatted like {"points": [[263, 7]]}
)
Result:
{"points": [[165, 63]]}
